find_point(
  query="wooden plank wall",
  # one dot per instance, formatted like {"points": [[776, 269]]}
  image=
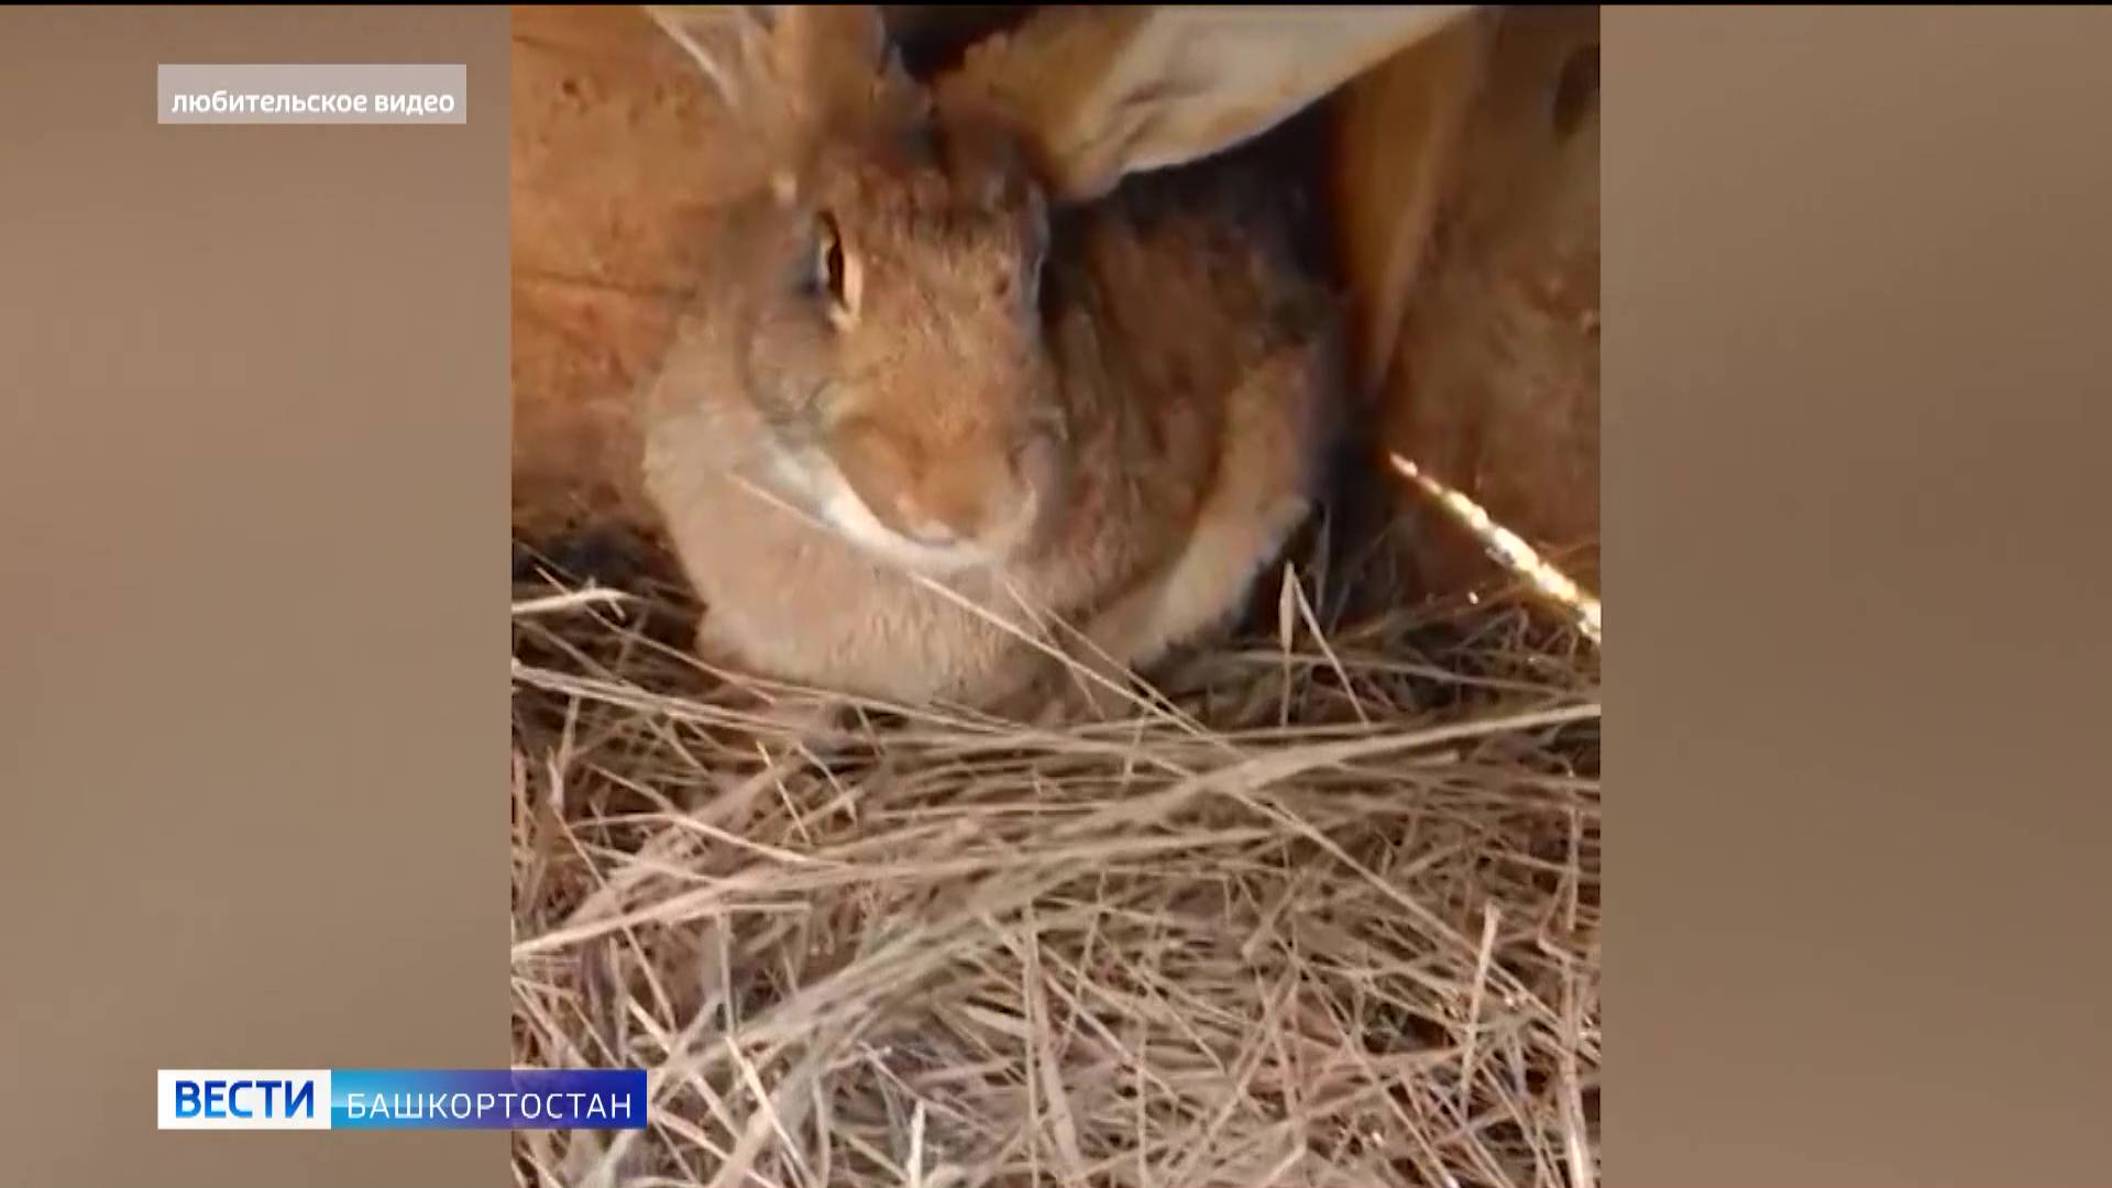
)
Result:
{"points": [[611, 147], [1471, 167]]}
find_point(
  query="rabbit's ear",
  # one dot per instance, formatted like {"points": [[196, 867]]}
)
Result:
{"points": [[1103, 91]]}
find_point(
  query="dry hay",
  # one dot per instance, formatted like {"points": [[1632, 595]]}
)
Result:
{"points": [[1328, 915]]}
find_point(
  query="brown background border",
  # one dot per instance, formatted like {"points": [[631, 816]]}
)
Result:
{"points": [[1856, 278], [252, 478], [253, 474]]}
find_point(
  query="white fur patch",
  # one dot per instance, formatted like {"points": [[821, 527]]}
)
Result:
{"points": [[832, 497], [841, 506]]}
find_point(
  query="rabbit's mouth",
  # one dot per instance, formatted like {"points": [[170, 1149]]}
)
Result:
{"points": [[833, 499], [936, 555]]}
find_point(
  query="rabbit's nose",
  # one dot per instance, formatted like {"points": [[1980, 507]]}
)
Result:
{"points": [[933, 521], [936, 533]]}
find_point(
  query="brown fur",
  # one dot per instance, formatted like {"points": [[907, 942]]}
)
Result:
{"points": [[1127, 426]]}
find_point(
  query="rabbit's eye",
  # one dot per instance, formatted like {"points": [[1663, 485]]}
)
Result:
{"points": [[836, 271]]}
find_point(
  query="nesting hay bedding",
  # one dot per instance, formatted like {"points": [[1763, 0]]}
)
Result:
{"points": [[1328, 915]]}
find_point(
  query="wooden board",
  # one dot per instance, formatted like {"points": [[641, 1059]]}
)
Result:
{"points": [[611, 148], [1489, 377]]}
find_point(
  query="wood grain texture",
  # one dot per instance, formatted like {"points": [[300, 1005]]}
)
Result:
{"points": [[613, 149], [1397, 134]]}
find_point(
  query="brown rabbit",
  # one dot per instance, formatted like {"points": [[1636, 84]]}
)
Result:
{"points": [[920, 418]]}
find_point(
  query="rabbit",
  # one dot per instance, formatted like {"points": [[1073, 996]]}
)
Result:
{"points": [[935, 430]]}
